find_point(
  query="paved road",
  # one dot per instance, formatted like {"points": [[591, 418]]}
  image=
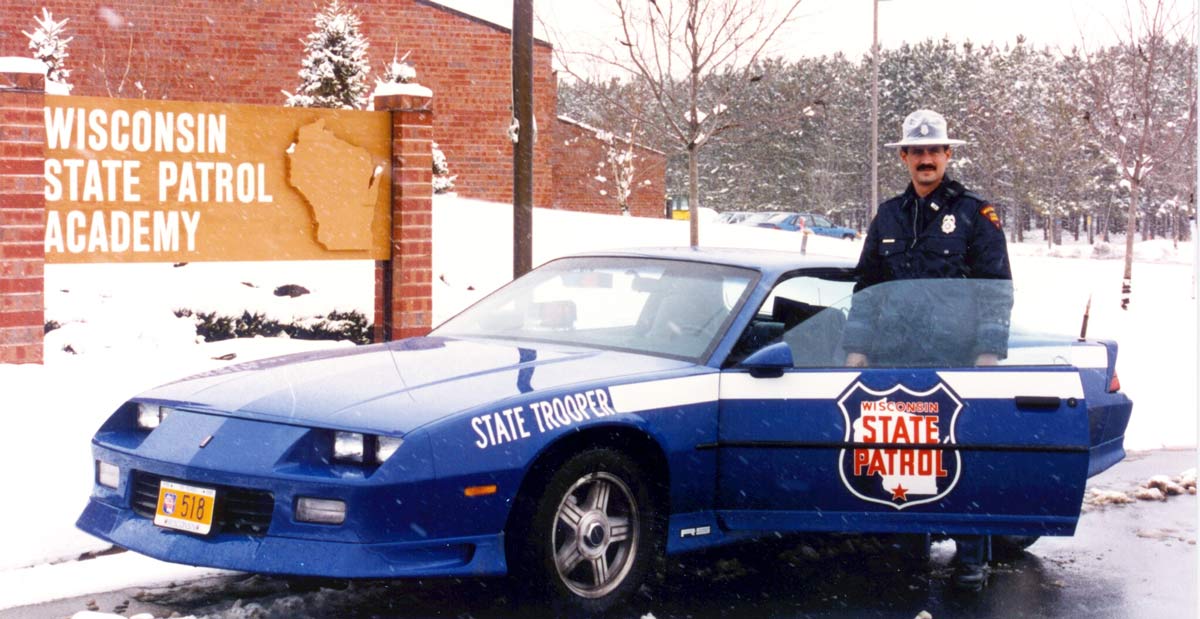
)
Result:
{"points": [[1129, 561]]}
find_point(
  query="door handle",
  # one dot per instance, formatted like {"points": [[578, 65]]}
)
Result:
{"points": [[1038, 402]]}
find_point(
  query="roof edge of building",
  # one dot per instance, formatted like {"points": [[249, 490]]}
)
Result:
{"points": [[475, 18], [587, 127]]}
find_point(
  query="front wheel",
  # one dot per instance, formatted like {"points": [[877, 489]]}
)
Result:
{"points": [[593, 534]]}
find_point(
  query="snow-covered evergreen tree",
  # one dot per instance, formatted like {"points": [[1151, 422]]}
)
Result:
{"points": [[334, 71], [50, 47]]}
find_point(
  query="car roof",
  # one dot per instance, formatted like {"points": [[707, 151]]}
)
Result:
{"points": [[766, 260]]}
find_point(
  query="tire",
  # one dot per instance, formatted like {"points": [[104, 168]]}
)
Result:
{"points": [[848, 237], [1008, 547], [593, 536]]}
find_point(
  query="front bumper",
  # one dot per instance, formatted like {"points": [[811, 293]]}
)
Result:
{"points": [[473, 556], [397, 525]]}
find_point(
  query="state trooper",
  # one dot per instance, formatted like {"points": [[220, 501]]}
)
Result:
{"points": [[935, 230]]}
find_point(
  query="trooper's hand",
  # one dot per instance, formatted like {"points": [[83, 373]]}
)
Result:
{"points": [[856, 360], [987, 358]]}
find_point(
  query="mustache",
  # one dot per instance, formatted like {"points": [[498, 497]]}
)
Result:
{"points": [[926, 166]]}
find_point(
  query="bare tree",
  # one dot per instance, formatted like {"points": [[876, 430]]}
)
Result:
{"points": [[678, 49], [1137, 118]]}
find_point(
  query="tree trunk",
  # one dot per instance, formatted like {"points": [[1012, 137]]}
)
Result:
{"points": [[1106, 222], [693, 197], [1020, 223], [1130, 229]]}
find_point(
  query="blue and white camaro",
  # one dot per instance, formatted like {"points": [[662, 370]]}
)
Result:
{"points": [[592, 414]]}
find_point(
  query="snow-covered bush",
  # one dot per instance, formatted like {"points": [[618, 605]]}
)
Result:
{"points": [[443, 181], [334, 71], [50, 47], [336, 325], [398, 71]]}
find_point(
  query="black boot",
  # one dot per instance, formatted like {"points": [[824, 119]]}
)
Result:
{"points": [[970, 562], [970, 576]]}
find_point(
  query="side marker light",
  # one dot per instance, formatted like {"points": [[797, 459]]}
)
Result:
{"points": [[474, 491]]}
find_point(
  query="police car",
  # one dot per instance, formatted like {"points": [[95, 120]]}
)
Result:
{"points": [[593, 414]]}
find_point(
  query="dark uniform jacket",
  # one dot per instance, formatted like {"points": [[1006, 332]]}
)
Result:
{"points": [[950, 236]]}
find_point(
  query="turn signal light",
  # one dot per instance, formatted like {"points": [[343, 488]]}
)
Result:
{"points": [[1114, 385], [473, 491]]}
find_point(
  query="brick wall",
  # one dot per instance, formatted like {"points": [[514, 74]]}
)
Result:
{"points": [[247, 51], [577, 152], [22, 217]]}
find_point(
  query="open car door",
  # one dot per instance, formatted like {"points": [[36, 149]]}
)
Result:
{"points": [[807, 444]]}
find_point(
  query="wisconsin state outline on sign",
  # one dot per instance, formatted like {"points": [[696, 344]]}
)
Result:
{"points": [[341, 183]]}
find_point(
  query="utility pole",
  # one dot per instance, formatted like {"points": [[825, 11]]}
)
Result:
{"points": [[874, 116], [522, 99]]}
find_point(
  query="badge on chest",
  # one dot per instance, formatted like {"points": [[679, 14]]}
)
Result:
{"points": [[948, 224]]}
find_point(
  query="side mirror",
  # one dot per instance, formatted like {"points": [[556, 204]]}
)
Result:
{"points": [[769, 361]]}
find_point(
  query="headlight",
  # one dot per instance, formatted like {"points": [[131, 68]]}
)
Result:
{"points": [[385, 446], [359, 448], [349, 447], [149, 416]]}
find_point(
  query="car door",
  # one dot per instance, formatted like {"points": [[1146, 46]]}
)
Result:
{"points": [[816, 446]]}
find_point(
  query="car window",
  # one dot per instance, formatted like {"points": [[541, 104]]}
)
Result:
{"points": [[910, 323], [805, 310], [821, 221], [666, 307]]}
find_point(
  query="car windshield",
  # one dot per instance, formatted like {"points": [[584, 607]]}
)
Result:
{"points": [[662, 307], [779, 217], [909, 323]]}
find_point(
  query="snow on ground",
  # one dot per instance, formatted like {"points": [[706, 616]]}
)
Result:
{"points": [[119, 320]]}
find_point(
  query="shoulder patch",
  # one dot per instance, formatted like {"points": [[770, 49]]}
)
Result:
{"points": [[990, 213]]}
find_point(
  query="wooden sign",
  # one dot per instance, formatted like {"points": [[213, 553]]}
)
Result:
{"points": [[162, 181]]}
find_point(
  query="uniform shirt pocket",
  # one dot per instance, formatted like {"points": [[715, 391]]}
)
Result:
{"points": [[892, 247], [945, 245]]}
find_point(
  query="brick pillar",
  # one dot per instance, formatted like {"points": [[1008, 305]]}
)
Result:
{"points": [[404, 285], [22, 216]]}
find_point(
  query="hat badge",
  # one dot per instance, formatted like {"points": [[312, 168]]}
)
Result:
{"points": [[924, 129]]}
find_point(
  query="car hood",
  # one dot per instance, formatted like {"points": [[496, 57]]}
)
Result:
{"points": [[397, 387]]}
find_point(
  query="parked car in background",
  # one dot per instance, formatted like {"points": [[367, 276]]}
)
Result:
{"points": [[783, 221], [757, 217], [820, 225], [731, 217]]}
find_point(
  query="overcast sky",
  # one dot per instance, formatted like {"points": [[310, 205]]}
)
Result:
{"points": [[827, 26]]}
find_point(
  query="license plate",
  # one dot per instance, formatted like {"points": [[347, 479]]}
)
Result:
{"points": [[184, 507]]}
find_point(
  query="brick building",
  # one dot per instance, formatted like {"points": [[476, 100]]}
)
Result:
{"points": [[580, 164], [248, 51]]}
